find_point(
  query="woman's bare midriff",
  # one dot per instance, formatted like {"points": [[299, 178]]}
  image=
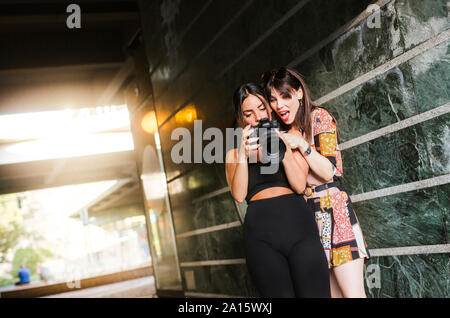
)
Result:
{"points": [[271, 193]]}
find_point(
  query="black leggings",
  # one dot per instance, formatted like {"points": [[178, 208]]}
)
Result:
{"points": [[284, 254]]}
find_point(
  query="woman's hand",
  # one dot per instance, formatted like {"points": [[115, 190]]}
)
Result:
{"points": [[294, 141], [236, 167], [321, 166], [295, 166], [282, 135], [249, 146]]}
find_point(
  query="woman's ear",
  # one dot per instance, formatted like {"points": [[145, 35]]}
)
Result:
{"points": [[299, 93]]}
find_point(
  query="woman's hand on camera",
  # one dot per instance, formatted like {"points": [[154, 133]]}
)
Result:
{"points": [[282, 135], [294, 141], [249, 146]]}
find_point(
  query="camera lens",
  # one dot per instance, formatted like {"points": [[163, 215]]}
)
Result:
{"points": [[273, 148]]}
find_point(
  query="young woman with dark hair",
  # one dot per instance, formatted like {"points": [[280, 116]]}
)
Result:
{"points": [[313, 131], [283, 251]]}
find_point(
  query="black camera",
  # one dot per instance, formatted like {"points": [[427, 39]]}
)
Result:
{"points": [[273, 148]]}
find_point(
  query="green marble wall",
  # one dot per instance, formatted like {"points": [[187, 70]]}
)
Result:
{"points": [[419, 276], [408, 219], [199, 51], [230, 280]]}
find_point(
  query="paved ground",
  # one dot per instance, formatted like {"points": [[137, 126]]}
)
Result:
{"points": [[139, 287]]}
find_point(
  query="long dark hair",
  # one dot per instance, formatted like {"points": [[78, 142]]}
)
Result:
{"points": [[241, 93], [285, 80]]}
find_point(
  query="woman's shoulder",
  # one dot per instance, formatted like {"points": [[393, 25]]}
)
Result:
{"points": [[322, 120], [320, 112]]}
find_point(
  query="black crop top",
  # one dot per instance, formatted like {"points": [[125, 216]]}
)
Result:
{"points": [[258, 181]]}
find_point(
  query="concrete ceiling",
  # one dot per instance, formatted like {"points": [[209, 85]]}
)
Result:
{"points": [[46, 66]]}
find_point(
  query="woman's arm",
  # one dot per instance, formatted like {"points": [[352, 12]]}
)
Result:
{"points": [[236, 166], [296, 168], [325, 158], [237, 174], [319, 164]]}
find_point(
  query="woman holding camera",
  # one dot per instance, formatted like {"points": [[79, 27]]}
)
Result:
{"points": [[283, 251], [313, 131]]}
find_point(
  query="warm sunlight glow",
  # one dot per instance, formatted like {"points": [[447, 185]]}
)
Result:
{"points": [[65, 133], [65, 147], [148, 123], [187, 115], [63, 123]]}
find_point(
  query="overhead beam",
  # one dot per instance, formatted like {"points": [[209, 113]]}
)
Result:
{"points": [[57, 169], [54, 95], [37, 183], [115, 197], [75, 164], [107, 192], [41, 174]]}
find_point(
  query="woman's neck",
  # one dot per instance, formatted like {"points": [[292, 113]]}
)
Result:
{"points": [[295, 127]]}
